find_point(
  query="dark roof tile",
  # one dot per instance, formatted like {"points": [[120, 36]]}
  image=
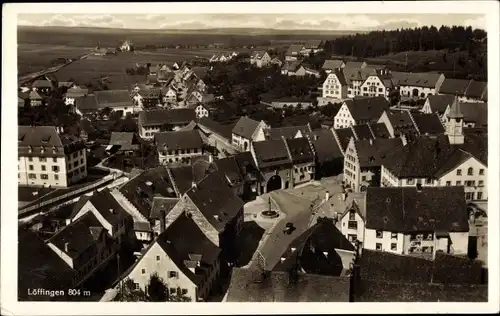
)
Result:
{"points": [[178, 140], [271, 153], [245, 127]]}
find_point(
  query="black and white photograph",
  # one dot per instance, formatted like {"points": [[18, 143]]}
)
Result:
{"points": [[195, 153]]}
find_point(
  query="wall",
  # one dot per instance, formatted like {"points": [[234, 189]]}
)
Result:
{"points": [[162, 267], [385, 119], [351, 166], [371, 240], [76, 166], [380, 89], [343, 118], [307, 172], [240, 142], [359, 231], [171, 156], [332, 88], [55, 179], [459, 242], [408, 91], [285, 175], [201, 111], [147, 132], [355, 89]]}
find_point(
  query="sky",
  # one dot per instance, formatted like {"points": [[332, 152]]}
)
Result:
{"points": [[334, 22]]}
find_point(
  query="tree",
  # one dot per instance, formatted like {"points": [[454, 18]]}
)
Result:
{"points": [[106, 112], [129, 293], [157, 290]]}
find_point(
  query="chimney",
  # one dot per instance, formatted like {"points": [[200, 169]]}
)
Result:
{"points": [[66, 246], [371, 141], [327, 196], [193, 184]]}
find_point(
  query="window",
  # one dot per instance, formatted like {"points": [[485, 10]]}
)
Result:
{"points": [[55, 168], [459, 172], [44, 176], [363, 178], [82, 169], [352, 238], [410, 181], [143, 271], [81, 161], [42, 159], [30, 158], [379, 233], [43, 167], [172, 274], [157, 258], [137, 286], [394, 246], [31, 176], [459, 182], [184, 291], [56, 177], [352, 215], [352, 225], [448, 183], [428, 181], [479, 195], [394, 235], [480, 183], [173, 291], [75, 155], [378, 246], [470, 171], [481, 172], [380, 90], [469, 195], [54, 159]]}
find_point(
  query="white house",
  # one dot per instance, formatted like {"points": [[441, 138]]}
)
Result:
{"points": [[260, 59], [417, 85], [335, 86], [47, 157], [246, 131], [331, 64], [293, 52], [467, 90], [355, 77], [188, 264], [360, 111], [410, 221], [475, 114], [178, 146], [126, 46], [73, 93], [376, 85]]}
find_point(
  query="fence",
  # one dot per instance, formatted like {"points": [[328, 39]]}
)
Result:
{"points": [[26, 210]]}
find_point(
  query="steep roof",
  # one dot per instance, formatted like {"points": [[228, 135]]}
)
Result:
{"points": [[162, 204], [45, 141], [428, 123], [455, 111], [379, 130], [325, 145], [300, 150], [220, 129], [288, 131], [423, 79], [108, 207], [230, 169], [440, 102], [258, 54], [271, 153], [178, 140], [245, 127], [372, 152], [42, 84], [292, 66], [216, 200], [294, 49], [362, 131], [454, 86], [123, 139], [186, 250], [86, 103], [173, 117], [344, 136], [408, 209], [75, 92], [475, 112], [332, 64], [251, 285], [357, 74], [367, 108], [113, 98], [477, 89]]}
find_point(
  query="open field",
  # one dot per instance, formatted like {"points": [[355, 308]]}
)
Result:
{"points": [[35, 57]]}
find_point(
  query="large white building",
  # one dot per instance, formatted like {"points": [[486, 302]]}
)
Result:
{"points": [[360, 110], [47, 158], [246, 131], [409, 220], [178, 146], [417, 85]]}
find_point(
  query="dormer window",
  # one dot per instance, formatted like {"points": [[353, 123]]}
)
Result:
{"points": [[54, 150], [30, 149], [42, 150]]}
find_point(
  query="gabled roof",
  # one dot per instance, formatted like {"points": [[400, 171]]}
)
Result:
{"points": [[184, 248], [245, 127], [475, 112], [42, 84], [423, 79], [178, 140], [162, 204], [331, 64], [325, 145], [294, 49], [252, 285], [34, 95], [258, 54], [113, 98], [185, 176], [362, 131], [477, 89], [271, 153], [454, 86], [216, 127], [428, 123], [344, 136], [407, 209], [45, 141], [163, 116], [312, 44], [357, 74], [401, 122], [372, 153], [288, 131], [379, 130], [300, 150], [216, 200], [355, 64], [75, 92], [230, 169], [341, 76], [440, 102], [124, 139], [86, 103], [292, 66], [367, 108]]}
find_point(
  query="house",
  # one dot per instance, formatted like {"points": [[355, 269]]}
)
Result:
{"points": [[313, 46], [417, 85], [189, 263], [251, 175], [161, 120], [33, 256], [355, 77], [110, 214], [221, 57], [232, 173], [331, 64], [293, 52], [117, 100], [218, 135], [252, 285], [35, 98], [246, 131], [217, 211], [43, 86], [289, 68], [23, 99], [198, 97], [390, 277], [335, 86], [303, 159], [84, 245], [274, 162], [356, 64], [46, 157], [169, 95], [127, 46], [178, 146], [415, 220], [360, 110], [125, 142], [363, 161], [359, 132], [475, 114], [73, 93], [288, 132], [149, 98], [407, 123], [467, 90], [329, 157], [260, 59], [379, 84], [437, 104], [276, 61]]}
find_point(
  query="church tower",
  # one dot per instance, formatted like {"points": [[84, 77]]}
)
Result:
{"points": [[455, 124]]}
